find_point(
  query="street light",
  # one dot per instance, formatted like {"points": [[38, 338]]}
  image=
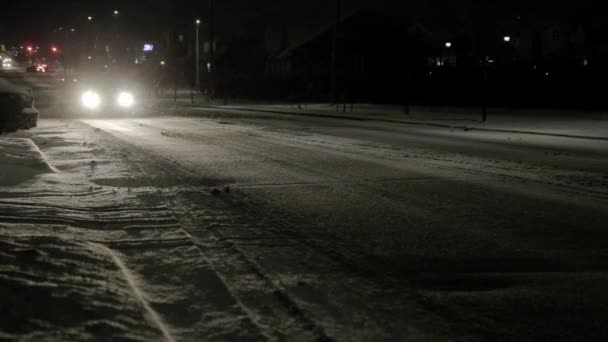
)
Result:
{"points": [[448, 45], [89, 18], [506, 39], [198, 77], [116, 12], [30, 50]]}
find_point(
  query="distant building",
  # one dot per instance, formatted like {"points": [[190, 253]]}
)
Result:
{"points": [[375, 54], [385, 58]]}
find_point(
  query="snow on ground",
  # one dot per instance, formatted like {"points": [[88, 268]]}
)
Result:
{"points": [[472, 153], [83, 261], [352, 232], [318, 205], [556, 122], [57, 283], [54, 286], [289, 287], [21, 161]]}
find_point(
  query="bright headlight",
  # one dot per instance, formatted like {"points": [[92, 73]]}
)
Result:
{"points": [[125, 99], [91, 99]]}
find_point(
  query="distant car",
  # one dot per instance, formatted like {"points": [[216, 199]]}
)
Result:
{"points": [[17, 109], [7, 63], [68, 80], [40, 67]]}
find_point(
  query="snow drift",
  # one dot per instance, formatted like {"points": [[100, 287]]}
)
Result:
{"points": [[20, 161]]}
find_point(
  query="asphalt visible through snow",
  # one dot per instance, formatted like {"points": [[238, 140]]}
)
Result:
{"points": [[325, 229], [404, 229]]}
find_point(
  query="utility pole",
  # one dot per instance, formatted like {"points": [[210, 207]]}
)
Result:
{"points": [[334, 55], [484, 92], [407, 74], [210, 84], [197, 62], [211, 33]]}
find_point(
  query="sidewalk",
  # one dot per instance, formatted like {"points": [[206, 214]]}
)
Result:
{"points": [[560, 123]]}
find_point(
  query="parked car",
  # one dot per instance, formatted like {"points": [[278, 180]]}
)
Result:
{"points": [[17, 110]]}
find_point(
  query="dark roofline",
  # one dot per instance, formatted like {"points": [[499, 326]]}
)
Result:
{"points": [[328, 27]]}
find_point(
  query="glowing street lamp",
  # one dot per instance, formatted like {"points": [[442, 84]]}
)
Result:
{"points": [[30, 51], [116, 12], [89, 18], [448, 45], [506, 39]]}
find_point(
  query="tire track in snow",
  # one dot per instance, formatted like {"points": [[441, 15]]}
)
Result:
{"points": [[98, 225], [136, 291], [221, 244], [315, 316]]}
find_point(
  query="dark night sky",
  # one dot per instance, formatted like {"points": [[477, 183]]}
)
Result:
{"points": [[28, 18]]}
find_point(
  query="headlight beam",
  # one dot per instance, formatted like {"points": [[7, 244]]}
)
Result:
{"points": [[125, 99], [91, 99]]}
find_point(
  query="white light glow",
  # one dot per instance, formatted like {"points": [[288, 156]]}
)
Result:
{"points": [[125, 100], [91, 99]]}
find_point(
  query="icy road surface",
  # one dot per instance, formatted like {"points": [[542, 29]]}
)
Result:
{"points": [[318, 229]]}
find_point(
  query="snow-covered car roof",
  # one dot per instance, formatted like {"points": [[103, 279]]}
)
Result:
{"points": [[8, 87]]}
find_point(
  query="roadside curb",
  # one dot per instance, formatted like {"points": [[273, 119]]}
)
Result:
{"points": [[405, 122]]}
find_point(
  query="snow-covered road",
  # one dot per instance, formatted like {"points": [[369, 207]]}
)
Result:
{"points": [[318, 229]]}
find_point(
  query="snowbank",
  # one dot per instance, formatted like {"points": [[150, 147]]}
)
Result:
{"points": [[20, 160], [54, 287]]}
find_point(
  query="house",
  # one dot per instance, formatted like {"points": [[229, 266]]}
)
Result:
{"points": [[375, 56]]}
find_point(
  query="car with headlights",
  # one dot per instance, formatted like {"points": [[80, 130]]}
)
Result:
{"points": [[7, 63], [17, 109], [106, 95]]}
